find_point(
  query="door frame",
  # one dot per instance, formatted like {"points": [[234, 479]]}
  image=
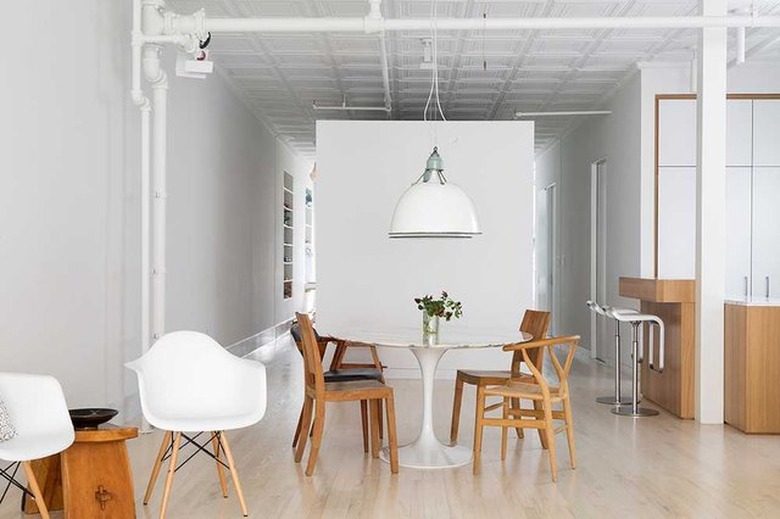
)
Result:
{"points": [[594, 252], [551, 193]]}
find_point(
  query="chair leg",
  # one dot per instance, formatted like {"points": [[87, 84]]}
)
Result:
{"points": [[166, 441], [316, 440], [364, 423], [36, 490], [308, 402], [220, 470], [392, 438], [297, 435], [569, 432], [171, 470], [375, 441], [456, 403], [549, 431], [380, 420], [233, 472], [504, 428], [518, 430], [542, 436], [478, 426]]}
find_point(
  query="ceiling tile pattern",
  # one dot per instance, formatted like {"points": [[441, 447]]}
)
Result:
{"points": [[482, 76]]}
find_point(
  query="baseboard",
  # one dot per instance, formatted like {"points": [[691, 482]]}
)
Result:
{"points": [[253, 343]]}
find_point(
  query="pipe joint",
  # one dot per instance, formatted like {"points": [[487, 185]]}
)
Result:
{"points": [[193, 24], [374, 24], [153, 20], [140, 100], [152, 67]]}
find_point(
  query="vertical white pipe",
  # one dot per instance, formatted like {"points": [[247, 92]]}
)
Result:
{"points": [[740, 45], [145, 229], [159, 158]]}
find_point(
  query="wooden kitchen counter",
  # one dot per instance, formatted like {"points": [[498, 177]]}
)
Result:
{"points": [[673, 300]]}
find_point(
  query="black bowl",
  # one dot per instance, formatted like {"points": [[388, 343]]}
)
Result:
{"points": [[92, 417]]}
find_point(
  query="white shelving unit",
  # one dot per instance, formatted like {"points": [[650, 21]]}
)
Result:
{"points": [[288, 258]]}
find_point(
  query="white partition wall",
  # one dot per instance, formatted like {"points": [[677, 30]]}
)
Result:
{"points": [[368, 281]]}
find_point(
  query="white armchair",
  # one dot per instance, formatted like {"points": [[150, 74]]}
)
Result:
{"points": [[189, 383], [37, 409]]}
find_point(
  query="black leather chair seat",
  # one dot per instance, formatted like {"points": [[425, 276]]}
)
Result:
{"points": [[344, 375]]}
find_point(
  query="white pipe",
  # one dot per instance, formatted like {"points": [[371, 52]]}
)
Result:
{"points": [[159, 157], [376, 14], [370, 24], [552, 114], [353, 108]]}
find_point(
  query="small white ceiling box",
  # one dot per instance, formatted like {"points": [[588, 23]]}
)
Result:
{"points": [[187, 66]]}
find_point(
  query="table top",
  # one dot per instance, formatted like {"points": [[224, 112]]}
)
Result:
{"points": [[447, 338], [105, 433]]}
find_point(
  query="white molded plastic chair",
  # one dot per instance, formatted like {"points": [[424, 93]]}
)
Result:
{"points": [[37, 409], [189, 383]]}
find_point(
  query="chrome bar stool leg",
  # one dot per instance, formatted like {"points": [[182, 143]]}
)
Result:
{"points": [[615, 399], [634, 409]]}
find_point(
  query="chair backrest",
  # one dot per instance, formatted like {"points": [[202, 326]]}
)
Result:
{"points": [[295, 332], [536, 323], [189, 374], [567, 343], [36, 405], [312, 361]]}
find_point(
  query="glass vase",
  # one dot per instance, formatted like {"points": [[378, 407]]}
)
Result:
{"points": [[430, 324]]}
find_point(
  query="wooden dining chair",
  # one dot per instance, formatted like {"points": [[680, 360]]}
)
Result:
{"points": [[341, 371], [540, 391], [535, 323], [318, 393]]}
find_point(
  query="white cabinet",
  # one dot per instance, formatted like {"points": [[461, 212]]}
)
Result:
{"points": [[739, 129], [737, 231], [676, 223], [677, 132], [766, 232], [766, 128]]}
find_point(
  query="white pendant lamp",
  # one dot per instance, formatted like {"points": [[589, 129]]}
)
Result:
{"points": [[434, 208]]}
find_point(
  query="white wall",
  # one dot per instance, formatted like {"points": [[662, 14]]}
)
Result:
{"points": [[568, 163], [367, 281], [69, 237]]}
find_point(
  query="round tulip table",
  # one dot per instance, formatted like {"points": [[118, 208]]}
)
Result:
{"points": [[427, 452]]}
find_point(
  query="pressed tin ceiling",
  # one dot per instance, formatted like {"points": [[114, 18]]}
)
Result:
{"points": [[280, 75]]}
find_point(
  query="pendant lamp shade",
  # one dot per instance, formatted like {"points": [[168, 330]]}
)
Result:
{"points": [[434, 208]]}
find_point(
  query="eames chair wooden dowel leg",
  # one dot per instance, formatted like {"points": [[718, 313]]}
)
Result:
{"points": [[380, 419], [233, 472], [307, 412], [364, 423], [456, 404], [392, 438], [478, 425], [35, 489], [166, 441], [171, 470], [374, 412], [220, 469], [316, 439]]}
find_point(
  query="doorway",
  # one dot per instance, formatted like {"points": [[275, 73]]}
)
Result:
{"points": [[547, 284], [598, 259]]}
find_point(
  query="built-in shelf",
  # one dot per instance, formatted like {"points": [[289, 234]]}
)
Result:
{"points": [[288, 223]]}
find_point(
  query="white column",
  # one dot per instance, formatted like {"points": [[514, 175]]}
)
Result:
{"points": [[710, 217]]}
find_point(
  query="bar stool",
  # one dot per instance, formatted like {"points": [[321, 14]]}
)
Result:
{"points": [[636, 320], [616, 399]]}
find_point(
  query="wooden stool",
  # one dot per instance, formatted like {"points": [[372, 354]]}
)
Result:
{"points": [[94, 477]]}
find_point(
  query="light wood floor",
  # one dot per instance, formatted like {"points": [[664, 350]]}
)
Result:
{"points": [[651, 467]]}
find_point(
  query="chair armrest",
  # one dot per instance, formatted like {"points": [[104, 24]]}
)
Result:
{"points": [[541, 343]]}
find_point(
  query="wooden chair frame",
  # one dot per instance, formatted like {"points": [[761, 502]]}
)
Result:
{"points": [[534, 322], [318, 393], [337, 363], [541, 419]]}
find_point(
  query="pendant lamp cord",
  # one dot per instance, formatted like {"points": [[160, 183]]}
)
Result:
{"points": [[435, 70]]}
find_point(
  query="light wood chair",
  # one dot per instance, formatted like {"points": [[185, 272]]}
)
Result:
{"points": [[341, 371], [318, 393], [535, 323], [539, 391]]}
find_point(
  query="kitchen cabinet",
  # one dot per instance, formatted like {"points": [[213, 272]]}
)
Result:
{"points": [[766, 232], [738, 195]]}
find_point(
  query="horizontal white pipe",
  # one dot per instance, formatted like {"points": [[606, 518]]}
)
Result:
{"points": [[553, 114], [373, 24], [353, 108]]}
